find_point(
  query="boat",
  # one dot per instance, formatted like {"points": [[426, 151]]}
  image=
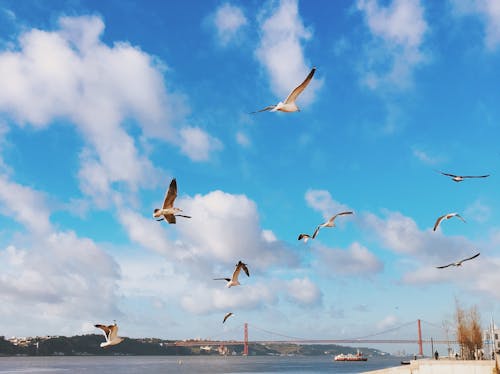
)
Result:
{"points": [[350, 357]]}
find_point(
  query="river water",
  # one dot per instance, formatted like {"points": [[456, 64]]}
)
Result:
{"points": [[189, 364]]}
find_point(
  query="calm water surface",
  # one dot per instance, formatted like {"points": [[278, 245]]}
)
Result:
{"points": [[188, 364]]}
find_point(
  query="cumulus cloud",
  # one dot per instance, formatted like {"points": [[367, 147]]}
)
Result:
{"points": [[200, 299], [396, 49], [70, 73], [355, 260], [280, 50], [401, 235], [228, 230], [304, 291], [54, 271], [228, 21], [488, 11], [322, 201], [25, 205], [197, 144]]}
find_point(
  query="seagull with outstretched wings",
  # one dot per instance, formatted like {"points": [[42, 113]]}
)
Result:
{"points": [[289, 104], [168, 212], [459, 263], [233, 281], [111, 334]]}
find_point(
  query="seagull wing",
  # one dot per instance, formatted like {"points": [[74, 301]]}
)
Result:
{"points": [[245, 268], [438, 221], [306, 237], [267, 108], [338, 214], [475, 176], [298, 90], [171, 195], [444, 266], [459, 216], [226, 279], [470, 258], [449, 175], [227, 316], [170, 218], [113, 332], [315, 234], [105, 329], [236, 272]]}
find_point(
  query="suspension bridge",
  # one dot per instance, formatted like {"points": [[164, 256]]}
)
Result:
{"points": [[367, 339]]}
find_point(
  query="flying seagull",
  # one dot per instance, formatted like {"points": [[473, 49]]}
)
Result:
{"points": [[233, 281], [289, 104], [460, 178], [446, 216], [168, 212], [459, 263], [227, 316], [329, 223], [110, 332], [306, 237]]}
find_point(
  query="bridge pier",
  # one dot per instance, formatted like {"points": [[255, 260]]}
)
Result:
{"points": [[245, 341]]}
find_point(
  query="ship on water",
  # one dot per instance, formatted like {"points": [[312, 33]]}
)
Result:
{"points": [[350, 357]]}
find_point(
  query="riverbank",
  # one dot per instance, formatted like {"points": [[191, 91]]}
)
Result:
{"points": [[443, 366]]}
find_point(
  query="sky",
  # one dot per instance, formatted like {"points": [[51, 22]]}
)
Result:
{"points": [[103, 103]]}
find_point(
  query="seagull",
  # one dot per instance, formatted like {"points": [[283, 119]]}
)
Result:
{"points": [[306, 237], [289, 104], [168, 212], [233, 281], [329, 223], [227, 316], [459, 263], [446, 216], [110, 332], [460, 178]]}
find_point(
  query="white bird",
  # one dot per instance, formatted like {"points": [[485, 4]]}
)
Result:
{"points": [[289, 104], [446, 216], [329, 223], [233, 281], [459, 263], [306, 237], [110, 332], [168, 212], [460, 178], [227, 316]]}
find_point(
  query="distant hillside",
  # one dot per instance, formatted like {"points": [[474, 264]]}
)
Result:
{"points": [[90, 345]]}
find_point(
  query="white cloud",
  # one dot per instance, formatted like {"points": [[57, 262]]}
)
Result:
{"points": [[387, 322], [356, 260], [281, 51], [478, 211], [425, 157], [396, 50], [243, 139], [200, 299], [228, 230], [228, 21], [25, 205], [488, 11], [304, 291], [70, 73], [53, 271], [322, 201], [197, 144]]}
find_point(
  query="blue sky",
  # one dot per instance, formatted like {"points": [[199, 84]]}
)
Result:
{"points": [[102, 103]]}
